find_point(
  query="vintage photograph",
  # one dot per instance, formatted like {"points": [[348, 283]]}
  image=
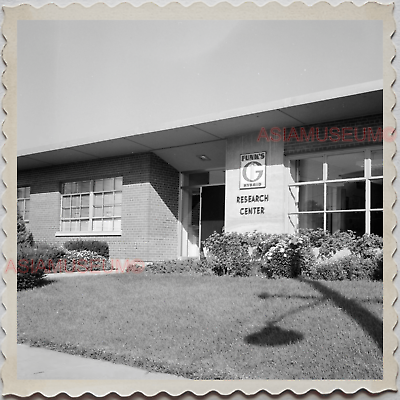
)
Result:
{"points": [[200, 200]]}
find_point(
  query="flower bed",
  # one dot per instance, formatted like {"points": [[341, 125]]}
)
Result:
{"points": [[82, 261], [34, 260]]}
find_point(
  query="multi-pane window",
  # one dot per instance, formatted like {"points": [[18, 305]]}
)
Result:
{"points": [[23, 196], [92, 206], [342, 191]]}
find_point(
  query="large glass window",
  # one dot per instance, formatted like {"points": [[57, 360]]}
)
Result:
{"points": [[311, 198], [344, 221], [345, 195], [345, 166], [342, 191], [308, 169], [93, 205], [23, 199], [377, 163], [311, 221]]}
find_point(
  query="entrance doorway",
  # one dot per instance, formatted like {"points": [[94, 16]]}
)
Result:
{"points": [[212, 210], [193, 229], [203, 213]]}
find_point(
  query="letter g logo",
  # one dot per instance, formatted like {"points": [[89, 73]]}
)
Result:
{"points": [[253, 171]]}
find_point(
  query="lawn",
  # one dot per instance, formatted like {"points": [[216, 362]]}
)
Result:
{"points": [[209, 327]]}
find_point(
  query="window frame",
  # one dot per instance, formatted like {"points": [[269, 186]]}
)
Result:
{"points": [[367, 178], [91, 205], [24, 200]]}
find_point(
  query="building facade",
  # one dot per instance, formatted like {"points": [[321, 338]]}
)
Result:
{"points": [[157, 196]]}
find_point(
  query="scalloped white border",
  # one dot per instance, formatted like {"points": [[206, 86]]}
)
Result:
{"points": [[250, 11]]}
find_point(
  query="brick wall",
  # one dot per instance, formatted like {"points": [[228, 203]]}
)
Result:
{"points": [[163, 208], [150, 203], [339, 134]]}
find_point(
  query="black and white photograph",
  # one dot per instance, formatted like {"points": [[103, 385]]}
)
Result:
{"points": [[200, 200]]}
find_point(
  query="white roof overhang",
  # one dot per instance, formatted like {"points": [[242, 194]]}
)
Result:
{"points": [[180, 146]]}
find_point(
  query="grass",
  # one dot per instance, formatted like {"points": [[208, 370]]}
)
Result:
{"points": [[208, 327]]}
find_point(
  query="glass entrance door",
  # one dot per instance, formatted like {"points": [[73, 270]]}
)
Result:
{"points": [[202, 209], [194, 223], [212, 210]]}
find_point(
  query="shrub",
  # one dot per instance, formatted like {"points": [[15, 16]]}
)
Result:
{"points": [[27, 278], [329, 270], [84, 260], [34, 262], [315, 237], [45, 259], [332, 243], [364, 262], [24, 236], [137, 267], [284, 255], [229, 254], [95, 246], [307, 257], [49, 251], [367, 246], [378, 270], [350, 267], [329, 244], [272, 255], [42, 257], [185, 266]]}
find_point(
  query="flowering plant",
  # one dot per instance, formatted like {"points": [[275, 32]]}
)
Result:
{"points": [[282, 254], [84, 260], [277, 259]]}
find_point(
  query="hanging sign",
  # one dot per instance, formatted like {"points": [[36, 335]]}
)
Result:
{"points": [[252, 170]]}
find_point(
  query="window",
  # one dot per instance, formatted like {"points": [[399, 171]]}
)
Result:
{"points": [[23, 196], [338, 191], [214, 177], [92, 206]]}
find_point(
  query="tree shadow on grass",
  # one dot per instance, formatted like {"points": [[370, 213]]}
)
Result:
{"points": [[371, 325], [272, 335]]}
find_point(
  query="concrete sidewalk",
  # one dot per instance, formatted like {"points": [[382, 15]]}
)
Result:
{"points": [[38, 363]]}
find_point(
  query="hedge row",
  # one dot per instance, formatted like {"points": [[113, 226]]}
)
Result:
{"points": [[311, 253], [100, 248], [350, 267], [185, 266]]}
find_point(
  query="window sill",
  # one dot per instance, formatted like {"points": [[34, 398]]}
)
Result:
{"points": [[73, 234]]}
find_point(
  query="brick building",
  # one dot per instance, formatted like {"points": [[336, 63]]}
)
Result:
{"points": [[314, 161]]}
